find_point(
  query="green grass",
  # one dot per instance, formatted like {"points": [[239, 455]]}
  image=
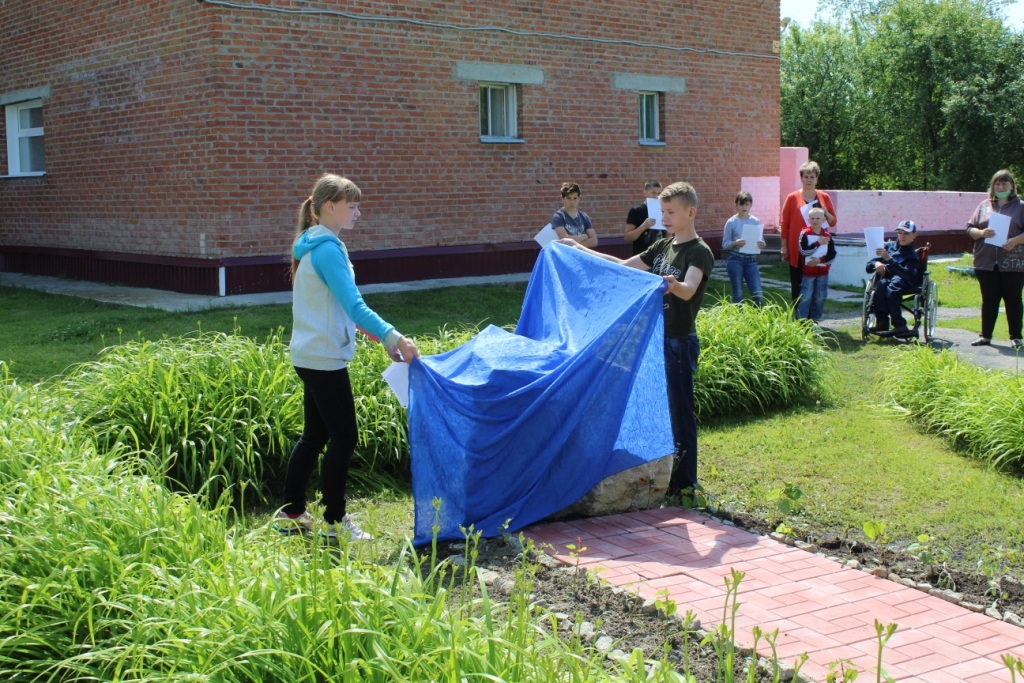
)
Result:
{"points": [[857, 461], [956, 290], [979, 410], [108, 576], [43, 334]]}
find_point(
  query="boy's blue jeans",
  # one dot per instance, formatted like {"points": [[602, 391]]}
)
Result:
{"points": [[744, 267], [680, 366], [813, 292]]}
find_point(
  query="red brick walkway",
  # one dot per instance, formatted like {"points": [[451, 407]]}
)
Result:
{"points": [[819, 606]]}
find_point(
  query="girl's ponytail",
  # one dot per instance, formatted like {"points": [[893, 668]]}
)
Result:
{"points": [[305, 221]]}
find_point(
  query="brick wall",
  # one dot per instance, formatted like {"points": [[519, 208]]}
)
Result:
{"points": [[193, 129]]}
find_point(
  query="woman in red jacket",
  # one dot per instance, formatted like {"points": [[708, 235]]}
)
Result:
{"points": [[793, 221]]}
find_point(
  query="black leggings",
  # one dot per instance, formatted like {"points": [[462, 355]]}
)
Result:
{"points": [[999, 286], [329, 412]]}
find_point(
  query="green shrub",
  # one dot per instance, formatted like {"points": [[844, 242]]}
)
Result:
{"points": [[755, 359], [105, 575], [221, 412], [980, 410]]}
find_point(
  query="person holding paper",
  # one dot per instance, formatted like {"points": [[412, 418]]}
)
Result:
{"points": [[999, 268], [896, 267], [570, 222], [639, 223], [684, 260], [741, 263], [818, 252], [794, 220], [326, 307]]}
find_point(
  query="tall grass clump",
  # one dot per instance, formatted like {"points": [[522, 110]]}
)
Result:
{"points": [[755, 359], [217, 412], [220, 413], [106, 575], [981, 411]]}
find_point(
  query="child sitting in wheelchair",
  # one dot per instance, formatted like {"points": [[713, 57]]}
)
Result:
{"points": [[896, 271]]}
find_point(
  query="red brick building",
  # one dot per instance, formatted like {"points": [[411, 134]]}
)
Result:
{"points": [[169, 144]]}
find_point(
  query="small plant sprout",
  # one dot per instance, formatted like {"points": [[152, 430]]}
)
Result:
{"points": [[884, 633], [1015, 665], [789, 499], [785, 530], [752, 669], [873, 530], [723, 637], [841, 671]]}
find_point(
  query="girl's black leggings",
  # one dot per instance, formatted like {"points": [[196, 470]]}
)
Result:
{"points": [[329, 412], [999, 286]]}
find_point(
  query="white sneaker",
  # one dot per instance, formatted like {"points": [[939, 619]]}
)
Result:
{"points": [[346, 527], [286, 524]]}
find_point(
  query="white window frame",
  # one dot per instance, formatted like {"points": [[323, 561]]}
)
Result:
{"points": [[644, 137], [15, 134], [511, 108]]}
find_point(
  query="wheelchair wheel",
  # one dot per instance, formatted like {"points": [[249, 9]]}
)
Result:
{"points": [[867, 314], [931, 311]]}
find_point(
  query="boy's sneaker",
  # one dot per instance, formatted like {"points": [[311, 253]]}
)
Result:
{"points": [[347, 528], [287, 524]]}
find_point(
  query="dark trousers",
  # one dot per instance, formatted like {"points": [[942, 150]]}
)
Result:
{"points": [[796, 280], [999, 286], [329, 412], [888, 302], [680, 366]]}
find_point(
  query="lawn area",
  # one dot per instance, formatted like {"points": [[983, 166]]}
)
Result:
{"points": [[44, 333], [854, 460], [956, 290]]}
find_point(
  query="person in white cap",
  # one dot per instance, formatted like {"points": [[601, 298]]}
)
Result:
{"points": [[896, 266]]}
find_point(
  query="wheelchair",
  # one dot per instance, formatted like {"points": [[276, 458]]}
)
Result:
{"points": [[921, 302]]}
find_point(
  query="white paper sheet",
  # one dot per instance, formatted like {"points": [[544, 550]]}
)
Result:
{"points": [[874, 238], [546, 236], [752, 234], [820, 252], [654, 211], [1001, 224], [397, 377], [806, 209]]}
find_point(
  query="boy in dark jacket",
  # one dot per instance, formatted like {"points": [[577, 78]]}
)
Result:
{"points": [[896, 267]]}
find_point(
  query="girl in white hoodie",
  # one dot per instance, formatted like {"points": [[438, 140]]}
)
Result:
{"points": [[326, 307]]}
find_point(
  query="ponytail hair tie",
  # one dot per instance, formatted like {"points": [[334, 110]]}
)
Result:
{"points": [[311, 199]]}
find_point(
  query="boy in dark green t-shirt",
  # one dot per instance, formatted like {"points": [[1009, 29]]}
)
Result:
{"points": [[685, 262]]}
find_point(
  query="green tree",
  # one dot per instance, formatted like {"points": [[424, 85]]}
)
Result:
{"points": [[933, 97]]}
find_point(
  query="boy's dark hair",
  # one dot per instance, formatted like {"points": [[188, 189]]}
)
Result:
{"points": [[744, 198], [652, 184], [682, 191], [569, 188]]}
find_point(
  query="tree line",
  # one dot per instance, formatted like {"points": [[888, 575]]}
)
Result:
{"points": [[906, 94]]}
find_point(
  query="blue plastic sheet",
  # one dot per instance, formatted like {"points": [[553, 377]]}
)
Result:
{"points": [[519, 426]]}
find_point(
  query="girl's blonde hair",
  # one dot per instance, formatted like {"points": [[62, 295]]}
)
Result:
{"points": [[330, 188]]}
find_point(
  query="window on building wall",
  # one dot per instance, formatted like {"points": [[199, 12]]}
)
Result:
{"points": [[25, 150], [498, 112], [650, 117]]}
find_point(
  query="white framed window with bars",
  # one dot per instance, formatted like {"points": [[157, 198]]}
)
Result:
{"points": [[498, 113], [650, 118], [25, 149]]}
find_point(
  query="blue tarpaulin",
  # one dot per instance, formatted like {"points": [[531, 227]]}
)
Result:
{"points": [[519, 426]]}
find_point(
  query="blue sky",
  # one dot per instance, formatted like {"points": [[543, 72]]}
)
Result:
{"points": [[802, 11]]}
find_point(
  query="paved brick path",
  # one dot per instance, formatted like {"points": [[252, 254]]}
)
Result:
{"points": [[818, 605]]}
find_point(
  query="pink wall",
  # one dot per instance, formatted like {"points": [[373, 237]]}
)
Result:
{"points": [[765, 191], [932, 211], [790, 161]]}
